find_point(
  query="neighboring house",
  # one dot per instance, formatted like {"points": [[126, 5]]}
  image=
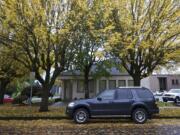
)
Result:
{"points": [[162, 82], [72, 83]]}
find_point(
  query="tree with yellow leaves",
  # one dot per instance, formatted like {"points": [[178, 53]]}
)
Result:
{"points": [[88, 18], [144, 34], [38, 37], [9, 71]]}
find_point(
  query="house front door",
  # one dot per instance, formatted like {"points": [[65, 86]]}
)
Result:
{"points": [[162, 83], [67, 90]]}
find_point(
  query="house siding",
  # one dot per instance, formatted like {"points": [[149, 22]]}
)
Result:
{"points": [[151, 82], [79, 95]]}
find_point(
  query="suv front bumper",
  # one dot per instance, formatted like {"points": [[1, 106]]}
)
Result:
{"points": [[155, 111], [69, 112]]}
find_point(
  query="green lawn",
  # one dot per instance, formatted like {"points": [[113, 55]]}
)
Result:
{"points": [[30, 111], [165, 104]]}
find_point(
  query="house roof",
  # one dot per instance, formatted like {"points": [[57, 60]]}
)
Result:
{"points": [[112, 72]]}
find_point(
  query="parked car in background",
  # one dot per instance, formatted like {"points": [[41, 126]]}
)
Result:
{"points": [[7, 99], [158, 95], [36, 99], [172, 95], [136, 102]]}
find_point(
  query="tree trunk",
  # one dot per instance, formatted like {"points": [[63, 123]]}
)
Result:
{"points": [[86, 83], [3, 85], [45, 97], [137, 80]]}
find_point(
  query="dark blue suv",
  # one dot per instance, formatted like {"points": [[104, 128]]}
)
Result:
{"points": [[137, 102]]}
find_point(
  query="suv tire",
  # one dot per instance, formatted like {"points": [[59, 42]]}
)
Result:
{"points": [[81, 116], [177, 99], [139, 116], [164, 100]]}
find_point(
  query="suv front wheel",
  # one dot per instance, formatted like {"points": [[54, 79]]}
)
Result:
{"points": [[177, 99], [81, 116], [139, 116]]}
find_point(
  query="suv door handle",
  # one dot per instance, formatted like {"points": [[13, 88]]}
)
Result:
{"points": [[132, 100]]}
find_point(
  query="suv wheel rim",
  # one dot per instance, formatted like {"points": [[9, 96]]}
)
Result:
{"points": [[140, 116], [81, 116]]}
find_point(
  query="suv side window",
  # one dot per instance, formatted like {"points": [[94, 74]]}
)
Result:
{"points": [[124, 94], [143, 93], [107, 95]]}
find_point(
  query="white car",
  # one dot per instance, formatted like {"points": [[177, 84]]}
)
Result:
{"points": [[158, 95], [36, 99], [172, 95]]}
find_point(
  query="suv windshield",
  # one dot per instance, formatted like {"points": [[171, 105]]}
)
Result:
{"points": [[175, 91]]}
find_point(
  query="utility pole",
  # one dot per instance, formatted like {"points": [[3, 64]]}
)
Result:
{"points": [[32, 76]]}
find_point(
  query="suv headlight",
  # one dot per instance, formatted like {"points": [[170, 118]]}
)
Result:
{"points": [[71, 104]]}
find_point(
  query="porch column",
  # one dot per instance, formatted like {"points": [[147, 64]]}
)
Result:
{"points": [[62, 90], [97, 86], [107, 83], [117, 83], [126, 82]]}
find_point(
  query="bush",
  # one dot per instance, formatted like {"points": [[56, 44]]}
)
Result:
{"points": [[57, 100]]}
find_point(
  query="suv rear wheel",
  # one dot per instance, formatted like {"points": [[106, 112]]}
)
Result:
{"points": [[139, 116], [81, 116]]}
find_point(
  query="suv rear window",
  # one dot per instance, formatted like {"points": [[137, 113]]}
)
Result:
{"points": [[143, 93], [124, 94]]}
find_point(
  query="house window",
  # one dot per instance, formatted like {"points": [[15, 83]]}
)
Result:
{"points": [[91, 86], [162, 83], [102, 85], [112, 84], [177, 82], [122, 83], [130, 83], [80, 86]]}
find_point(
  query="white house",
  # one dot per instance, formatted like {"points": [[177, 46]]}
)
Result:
{"points": [[163, 82], [72, 83]]}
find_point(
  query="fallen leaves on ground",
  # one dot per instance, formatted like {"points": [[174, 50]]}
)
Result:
{"points": [[95, 126]]}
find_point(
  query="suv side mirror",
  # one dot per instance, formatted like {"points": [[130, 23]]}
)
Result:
{"points": [[99, 98]]}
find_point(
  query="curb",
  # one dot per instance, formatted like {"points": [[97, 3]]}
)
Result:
{"points": [[34, 118]]}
